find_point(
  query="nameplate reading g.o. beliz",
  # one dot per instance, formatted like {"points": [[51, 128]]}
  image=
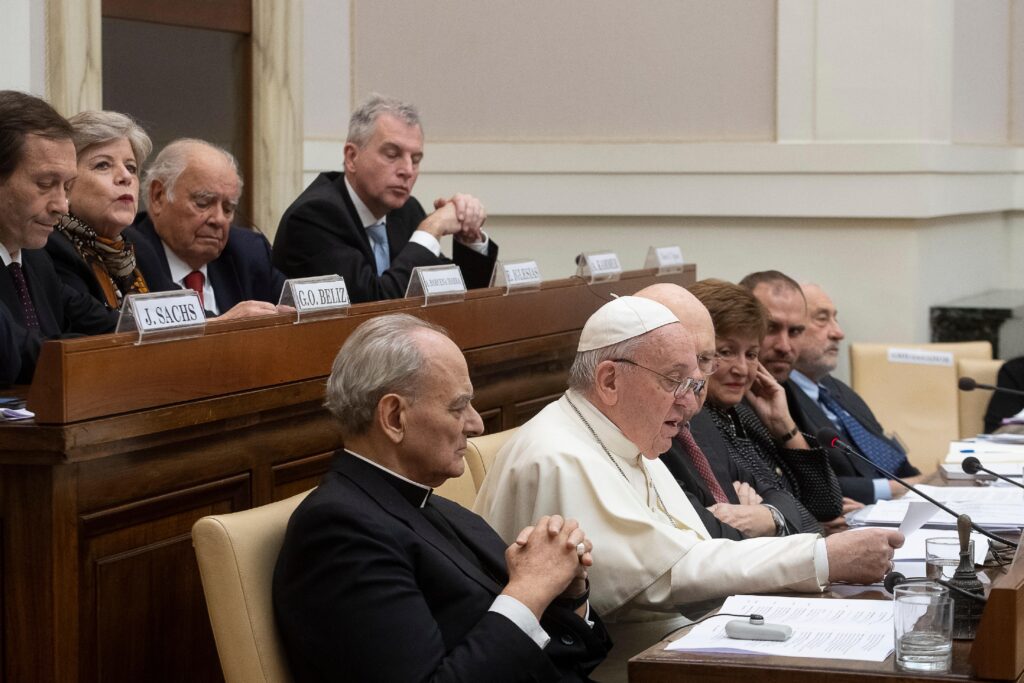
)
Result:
{"points": [[319, 296]]}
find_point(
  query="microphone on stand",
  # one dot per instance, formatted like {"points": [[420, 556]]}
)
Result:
{"points": [[894, 578], [969, 384], [830, 437], [972, 465]]}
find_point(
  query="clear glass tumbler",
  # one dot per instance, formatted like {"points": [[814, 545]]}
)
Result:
{"points": [[923, 622]]}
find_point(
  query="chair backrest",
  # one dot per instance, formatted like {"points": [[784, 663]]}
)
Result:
{"points": [[487, 448], [461, 489], [912, 389], [237, 554], [973, 404]]}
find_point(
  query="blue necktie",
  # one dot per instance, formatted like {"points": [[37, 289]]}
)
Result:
{"points": [[878, 450], [379, 242]]}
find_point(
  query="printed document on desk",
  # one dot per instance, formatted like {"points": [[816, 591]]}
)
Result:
{"points": [[992, 515], [824, 629]]}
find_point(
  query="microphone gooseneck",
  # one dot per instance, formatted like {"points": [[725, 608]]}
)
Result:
{"points": [[830, 437]]}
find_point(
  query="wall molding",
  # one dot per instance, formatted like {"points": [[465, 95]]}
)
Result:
{"points": [[834, 180]]}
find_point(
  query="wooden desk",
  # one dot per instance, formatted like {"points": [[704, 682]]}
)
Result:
{"points": [[657, 665], [133, 444]]}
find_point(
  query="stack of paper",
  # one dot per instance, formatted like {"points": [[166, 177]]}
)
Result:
{"points": [[825, 629], [1002, 453], [997, 508]]}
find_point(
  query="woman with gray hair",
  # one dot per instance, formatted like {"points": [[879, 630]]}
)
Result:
{"points": [[86, 246]]}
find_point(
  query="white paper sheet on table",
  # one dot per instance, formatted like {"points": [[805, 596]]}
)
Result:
{"points": [[824, 629], [986, 514]]}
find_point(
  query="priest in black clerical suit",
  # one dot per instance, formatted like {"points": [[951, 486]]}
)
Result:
{"points": [[379, 579]]}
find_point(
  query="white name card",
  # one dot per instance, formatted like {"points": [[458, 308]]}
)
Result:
{"points": [[665, 259], [166, 315], [437, 284], [597, 266], [517, 276], [324, 296], [920, 357]]}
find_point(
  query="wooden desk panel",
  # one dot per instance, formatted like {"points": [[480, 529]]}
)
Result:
{"points": [[133, 444]]}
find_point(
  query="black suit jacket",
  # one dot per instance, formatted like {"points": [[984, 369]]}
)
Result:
{"points": [[367, 589], [242, 272], [855, 476], [10, 354], [321, 234], [62, 311], [726, 471], [77, 274], [1011, 376]]}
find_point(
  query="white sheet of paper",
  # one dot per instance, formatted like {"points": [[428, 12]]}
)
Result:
{"points": [[987, 514], [918, 513], [825, 629]]}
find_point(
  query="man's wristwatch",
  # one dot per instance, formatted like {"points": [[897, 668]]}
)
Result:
{"points": [[576, 602], [780, 521]]}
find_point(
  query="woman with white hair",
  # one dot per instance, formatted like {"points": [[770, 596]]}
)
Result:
{"points": [[86, 246]]}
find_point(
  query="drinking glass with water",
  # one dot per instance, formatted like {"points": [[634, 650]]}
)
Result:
{"points": [[923, 622]]}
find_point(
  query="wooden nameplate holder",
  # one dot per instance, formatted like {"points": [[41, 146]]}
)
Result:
{"points": [[998, 650]]}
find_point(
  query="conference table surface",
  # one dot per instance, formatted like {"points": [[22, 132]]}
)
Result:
{"points": [[658, 665]]}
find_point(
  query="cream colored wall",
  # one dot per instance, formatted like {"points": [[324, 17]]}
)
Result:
{"points": [[864, 181]]}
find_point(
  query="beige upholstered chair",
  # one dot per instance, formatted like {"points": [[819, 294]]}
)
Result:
{"points": [[487, 448], [237, 554], [919, 401], [973, 404], [462, 489]]}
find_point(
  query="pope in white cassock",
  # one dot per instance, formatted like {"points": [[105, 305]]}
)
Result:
{"points": [[593, 455]]}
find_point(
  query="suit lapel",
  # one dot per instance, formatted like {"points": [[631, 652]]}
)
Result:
{"points": [[372, 481], [224, 281]]}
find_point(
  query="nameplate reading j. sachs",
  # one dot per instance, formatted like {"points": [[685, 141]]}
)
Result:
{"points": [[517, 276], [598, 266], [665, 259], [323, 296], [437, 284], [163, 315]]}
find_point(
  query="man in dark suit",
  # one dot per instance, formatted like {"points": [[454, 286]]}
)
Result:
{"points": [[192, 191], [365, 225], [742, 506], [37, 163], [380, 580], [818, 400]]}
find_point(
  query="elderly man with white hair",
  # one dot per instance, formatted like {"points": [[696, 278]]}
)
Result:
{"points": [[192, 193], [593, 455]]}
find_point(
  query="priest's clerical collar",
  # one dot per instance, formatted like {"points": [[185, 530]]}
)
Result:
{"points": [[416, 494]]}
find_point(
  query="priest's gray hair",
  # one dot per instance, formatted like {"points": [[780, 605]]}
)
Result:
{"points": [[172, 161], [364, 118], [583, 373], [99, 127], [379, 358]]}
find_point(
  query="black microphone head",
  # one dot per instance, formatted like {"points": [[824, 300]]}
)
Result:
{"points": [[971, 465], [967, 384], [893, 579], [827, 437]]}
